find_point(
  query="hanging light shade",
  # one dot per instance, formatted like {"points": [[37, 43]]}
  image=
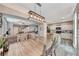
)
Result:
{"points": [[39, 4], [36, 16]]}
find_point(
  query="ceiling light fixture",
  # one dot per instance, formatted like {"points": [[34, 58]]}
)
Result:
{"points": [[39, 4], [36, 16]]}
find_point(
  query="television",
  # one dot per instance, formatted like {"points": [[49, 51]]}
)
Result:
{"points": [[58, 30]]}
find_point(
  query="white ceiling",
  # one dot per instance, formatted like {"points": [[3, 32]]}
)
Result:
{"points": [[19, 21], [53, 12]]}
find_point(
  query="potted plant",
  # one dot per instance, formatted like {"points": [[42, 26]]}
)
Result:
{"points": [[2, 44]]}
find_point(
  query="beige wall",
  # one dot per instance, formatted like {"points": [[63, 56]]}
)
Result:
{"points": [[64, 25]]}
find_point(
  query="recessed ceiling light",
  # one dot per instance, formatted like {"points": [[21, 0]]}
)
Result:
{"points": [[31, 15], [63, 17]]}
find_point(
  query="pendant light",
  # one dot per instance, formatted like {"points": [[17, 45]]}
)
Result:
{"points": [[36, 16]]}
